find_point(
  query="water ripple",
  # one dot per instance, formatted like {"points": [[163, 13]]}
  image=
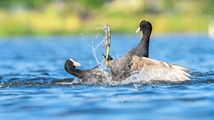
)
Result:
{"points": [[34, 84]]}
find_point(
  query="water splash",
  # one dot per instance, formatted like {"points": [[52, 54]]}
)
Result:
{"points": [[94, 49], [99, 36]]}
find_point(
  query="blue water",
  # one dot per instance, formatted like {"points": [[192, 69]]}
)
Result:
{"points": [[32, 70]]}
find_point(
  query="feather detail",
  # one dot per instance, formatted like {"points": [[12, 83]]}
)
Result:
{"points": [[157, 70]]}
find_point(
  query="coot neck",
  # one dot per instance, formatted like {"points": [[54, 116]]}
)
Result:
{"points": [[144, 43], [76, 72]]}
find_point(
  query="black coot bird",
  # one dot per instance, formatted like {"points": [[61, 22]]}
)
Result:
{"points": [[119, 66], [94, 75]]}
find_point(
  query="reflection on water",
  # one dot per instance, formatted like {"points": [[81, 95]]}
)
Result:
{"points": [[34, 84]]}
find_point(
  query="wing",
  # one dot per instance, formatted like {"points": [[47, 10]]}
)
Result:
{"points": [[157, 70]]}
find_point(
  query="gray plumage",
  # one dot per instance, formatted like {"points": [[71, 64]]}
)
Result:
{"points": [[149, 69]]}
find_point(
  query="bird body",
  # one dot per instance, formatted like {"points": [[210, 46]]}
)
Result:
{"points": [[118, 66]]}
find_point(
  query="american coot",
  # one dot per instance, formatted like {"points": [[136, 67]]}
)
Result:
{"points": [[141, 50], [94, 75], [134, 61]]}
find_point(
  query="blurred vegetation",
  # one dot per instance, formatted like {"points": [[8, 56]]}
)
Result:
{"points": [[53, 17]]}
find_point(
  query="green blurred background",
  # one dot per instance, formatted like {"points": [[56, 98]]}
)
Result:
{"points": [[61, 17]]}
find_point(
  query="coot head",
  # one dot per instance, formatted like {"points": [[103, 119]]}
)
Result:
{"points": [[70, 65], [144, 26]]}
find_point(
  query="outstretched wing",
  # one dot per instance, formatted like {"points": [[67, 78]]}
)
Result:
{"points": [[157, 70]]}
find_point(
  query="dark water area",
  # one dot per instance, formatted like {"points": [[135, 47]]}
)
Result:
{"points": [[34, 84]]}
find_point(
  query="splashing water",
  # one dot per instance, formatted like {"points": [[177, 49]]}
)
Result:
{"points": [[100, 36], [94, 49]]}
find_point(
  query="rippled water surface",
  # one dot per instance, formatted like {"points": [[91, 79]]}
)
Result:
{"points": [[34, 84]]}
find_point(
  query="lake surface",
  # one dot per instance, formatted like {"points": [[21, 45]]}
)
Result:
{"points": [[32, 70]]}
